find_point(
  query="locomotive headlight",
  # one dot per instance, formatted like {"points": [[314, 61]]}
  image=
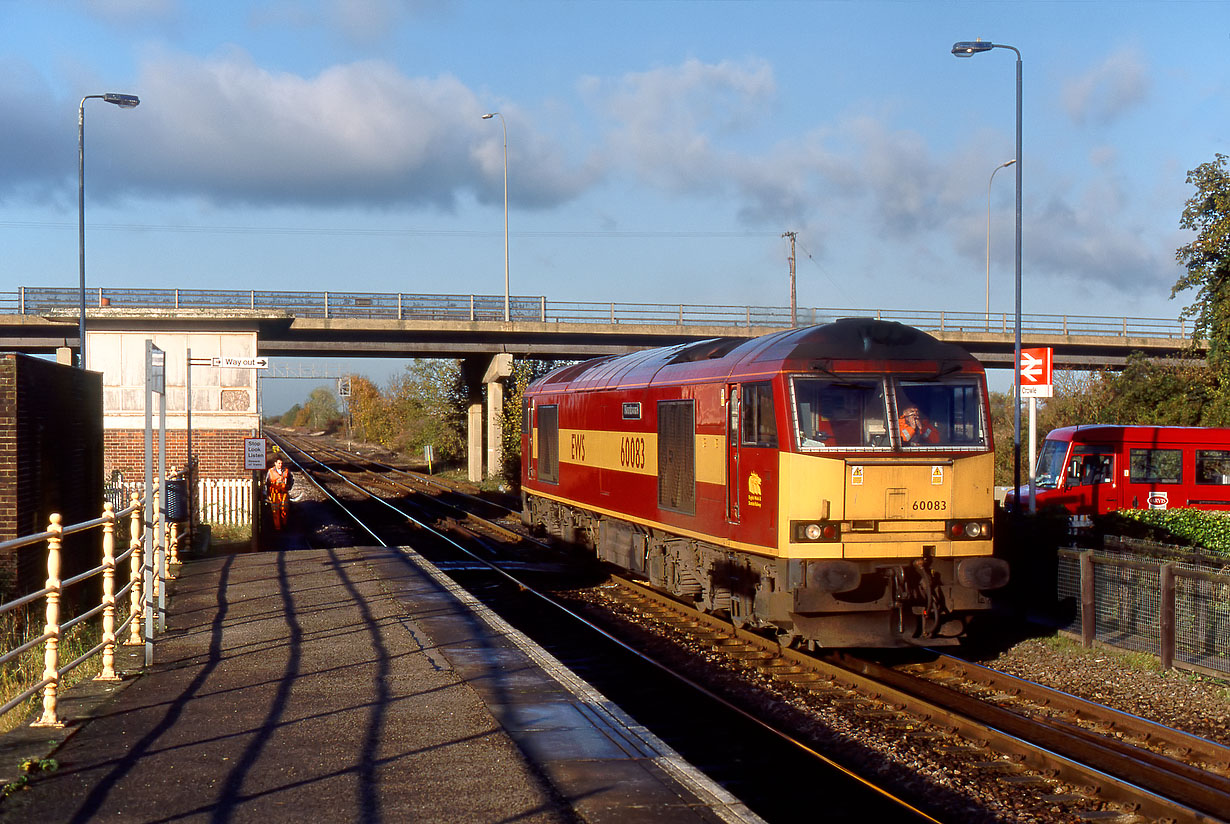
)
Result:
{"points": [[973, 530], [812, 532]]}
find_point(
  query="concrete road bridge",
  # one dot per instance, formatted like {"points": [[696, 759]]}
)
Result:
{"points": [[473, 328], [367, 324]]}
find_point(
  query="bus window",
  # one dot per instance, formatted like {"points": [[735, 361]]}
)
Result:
{"points": [[1155, 466], [1050, 464], [1212, 466], [1090, 467]]}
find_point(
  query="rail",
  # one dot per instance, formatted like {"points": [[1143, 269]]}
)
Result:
{"points": [[27, 300], [141, 560]]}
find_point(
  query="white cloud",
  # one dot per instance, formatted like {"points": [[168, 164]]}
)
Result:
{"points": [[361, 133], [1109, 90]]}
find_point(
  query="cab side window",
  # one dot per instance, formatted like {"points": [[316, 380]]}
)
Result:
{"points": [[759, 423]]}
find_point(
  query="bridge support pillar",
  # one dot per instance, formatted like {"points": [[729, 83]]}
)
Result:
{"points": [[480, 372]]}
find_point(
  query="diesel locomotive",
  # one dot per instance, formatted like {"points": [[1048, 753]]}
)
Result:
{"points": [[831, 484]]}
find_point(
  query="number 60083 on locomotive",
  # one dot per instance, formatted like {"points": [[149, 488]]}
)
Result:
{"points": [[832, 484]]}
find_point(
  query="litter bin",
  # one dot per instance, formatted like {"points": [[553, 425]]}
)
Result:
{"points": [[177, 500]]}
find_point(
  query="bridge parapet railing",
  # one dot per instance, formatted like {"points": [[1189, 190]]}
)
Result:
{"points": [[538, 308]]}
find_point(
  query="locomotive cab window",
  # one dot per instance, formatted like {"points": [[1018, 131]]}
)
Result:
{"points": [[759, 424], [940, 413], [834, 413]]}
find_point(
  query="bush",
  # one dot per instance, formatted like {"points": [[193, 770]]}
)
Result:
{"points": [[1198, 527]]}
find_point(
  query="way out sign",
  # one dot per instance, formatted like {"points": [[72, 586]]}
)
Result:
{"points": [[1036, 372]]}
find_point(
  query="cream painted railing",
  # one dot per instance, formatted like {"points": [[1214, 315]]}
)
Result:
{"points": [[138, 556]]}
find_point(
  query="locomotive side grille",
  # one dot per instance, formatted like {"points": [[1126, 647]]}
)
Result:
{"points": [[548, 444], [677, 456]]}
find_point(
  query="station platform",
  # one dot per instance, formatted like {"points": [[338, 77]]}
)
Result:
{"points": [[353, 684]]}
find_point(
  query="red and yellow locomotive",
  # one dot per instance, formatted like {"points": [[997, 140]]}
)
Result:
{"points": [[832, 483]]}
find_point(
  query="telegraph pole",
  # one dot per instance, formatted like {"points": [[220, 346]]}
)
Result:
{"points": [[794, 321]]}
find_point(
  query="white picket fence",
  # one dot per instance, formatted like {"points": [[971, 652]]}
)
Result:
{"points": [[221, 501], [225, 501]]}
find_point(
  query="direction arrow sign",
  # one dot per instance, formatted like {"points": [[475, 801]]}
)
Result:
{"points": [[241, 363]]}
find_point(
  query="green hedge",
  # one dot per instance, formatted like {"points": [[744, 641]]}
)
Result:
{"points": [[1197, 527]]}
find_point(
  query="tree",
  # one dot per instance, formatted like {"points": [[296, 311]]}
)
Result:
{"points": [[322, 410], [1207, 259], [524, 372]]}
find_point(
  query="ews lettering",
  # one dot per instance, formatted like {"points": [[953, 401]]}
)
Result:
{"points": [[578, 448]]}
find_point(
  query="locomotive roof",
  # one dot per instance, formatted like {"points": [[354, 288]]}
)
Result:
{"points": [[846, 345]]}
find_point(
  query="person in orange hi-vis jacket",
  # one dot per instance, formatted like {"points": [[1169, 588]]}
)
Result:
{"points": [[278, 482], [915, 429]]}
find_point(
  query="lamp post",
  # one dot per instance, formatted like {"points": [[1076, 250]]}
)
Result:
{"points": [[989, 182], [503, 124], [968, 48], [124, 101]]}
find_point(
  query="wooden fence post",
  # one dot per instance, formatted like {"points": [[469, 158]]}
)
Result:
{"points": [[1166, 619], [51, 656], [1089, 605]]}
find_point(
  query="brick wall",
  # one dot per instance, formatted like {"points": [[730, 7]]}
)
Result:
{"points": [[50, 461], [219, 452]]}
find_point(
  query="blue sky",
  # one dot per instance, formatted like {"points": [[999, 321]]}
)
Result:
{"points": [[656, 150]]}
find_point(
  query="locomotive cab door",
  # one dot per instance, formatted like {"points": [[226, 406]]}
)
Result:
{"points": [[732, 453]]}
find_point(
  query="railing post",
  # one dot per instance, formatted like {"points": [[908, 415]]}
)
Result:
{"points": [[612, 314], [173, 543], [1166, 619], [136, 602], [471, 308], [543, 304], [177, 300], [1088, 600], [681, 314], [108, 596], [21, 300], [399, 317], [747, 313], [51, 656], [253, 298]]}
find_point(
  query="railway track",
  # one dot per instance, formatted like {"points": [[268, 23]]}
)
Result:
{"points": [[1095, 762], [744, 753]]}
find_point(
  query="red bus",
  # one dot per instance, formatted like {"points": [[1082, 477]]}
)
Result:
{"points": [[1100, 468]]}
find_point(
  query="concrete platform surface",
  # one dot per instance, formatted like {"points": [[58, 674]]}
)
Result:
{"points": [[353, 684]]}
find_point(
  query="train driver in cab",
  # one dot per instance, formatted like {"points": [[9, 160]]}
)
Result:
{"points": [[914, 427]]}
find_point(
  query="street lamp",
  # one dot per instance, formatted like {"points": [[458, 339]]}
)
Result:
{"points": [[124, 101], [488, 116], [989, 182], [968, 48]]}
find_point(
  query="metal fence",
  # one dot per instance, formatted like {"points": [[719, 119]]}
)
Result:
{"points": [[1175, 609], [490, 308]]}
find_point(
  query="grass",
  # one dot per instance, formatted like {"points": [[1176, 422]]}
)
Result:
{"points": [[27, 669]]}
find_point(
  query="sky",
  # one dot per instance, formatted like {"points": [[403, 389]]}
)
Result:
{"points": [[657, 150]]}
